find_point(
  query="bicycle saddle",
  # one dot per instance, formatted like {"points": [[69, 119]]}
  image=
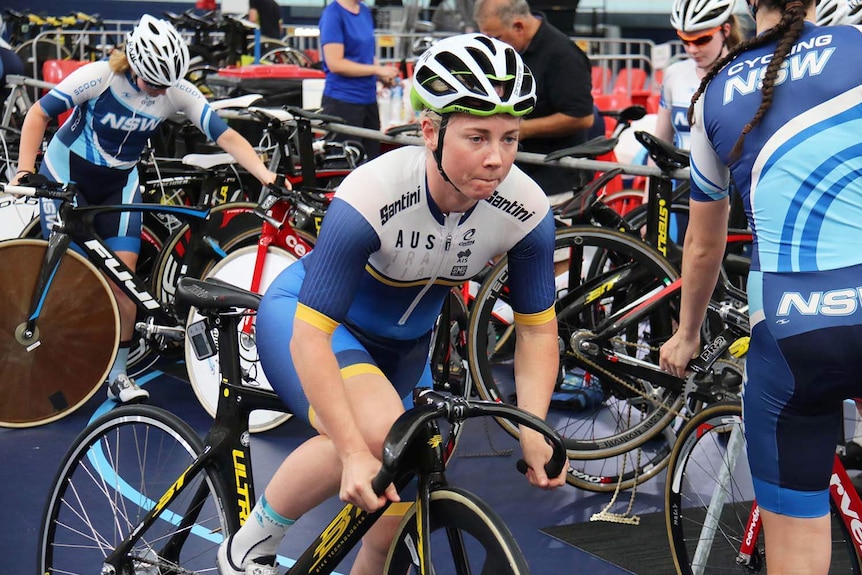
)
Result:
{"points": [[598, 146], [666, 156], [214, 295]]}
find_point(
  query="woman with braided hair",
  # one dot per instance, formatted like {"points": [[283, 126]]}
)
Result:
{"points": [[781, 114]]}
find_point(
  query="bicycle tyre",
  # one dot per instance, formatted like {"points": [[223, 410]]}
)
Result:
{"points": [[589, 434], [699, 455], [490, 547], [205, 375], [49, 376], [230, 225], [116, 470]]}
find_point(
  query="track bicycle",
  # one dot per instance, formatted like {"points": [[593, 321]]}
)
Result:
{"points": [[712, 520], [617, 302], [291, 221], [611, 322], [60, 323], [140, 493]]}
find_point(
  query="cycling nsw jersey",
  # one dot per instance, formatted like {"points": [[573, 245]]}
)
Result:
{"points": [[387, 256], [679, 84], [800, 173], [113, 118]]}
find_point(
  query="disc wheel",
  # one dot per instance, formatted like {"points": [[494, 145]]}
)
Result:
{"points": [[50, 374]]}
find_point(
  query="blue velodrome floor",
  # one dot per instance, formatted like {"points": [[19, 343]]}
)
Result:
{"points": [[31, 456]]}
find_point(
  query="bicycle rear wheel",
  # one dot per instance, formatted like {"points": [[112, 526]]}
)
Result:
{"points": [[464, 531], [49, 375], [627, 416], [709, 466], [115, 472], [205, 375]]}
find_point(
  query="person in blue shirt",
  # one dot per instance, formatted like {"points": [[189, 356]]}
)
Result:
{"points": [[350, 63], [781, 114]]}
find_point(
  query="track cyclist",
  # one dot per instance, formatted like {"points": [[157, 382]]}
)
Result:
{"points": [[780, 113], [344, 333], [118, 104]]}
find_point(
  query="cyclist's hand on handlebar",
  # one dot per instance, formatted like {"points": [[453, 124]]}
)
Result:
{"points": [[537, 452], [358, 469], [677, 352], [25, 178], [277, 181]]}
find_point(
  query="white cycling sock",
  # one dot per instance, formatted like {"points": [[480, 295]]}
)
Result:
{"points": [[260, 535], [120, 361]]}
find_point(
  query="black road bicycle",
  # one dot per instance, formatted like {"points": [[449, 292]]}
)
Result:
{"points": [[140, 493]]}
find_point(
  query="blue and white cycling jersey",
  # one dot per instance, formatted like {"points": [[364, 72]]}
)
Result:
{"points": [[810, 226], [679, 84], [113, 118], [384, 262]]}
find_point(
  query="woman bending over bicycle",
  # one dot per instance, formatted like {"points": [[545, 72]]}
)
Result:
{"points": [[118, 104], [344, 334], [787, 133]]}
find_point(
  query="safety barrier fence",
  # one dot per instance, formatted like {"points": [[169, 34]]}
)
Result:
{"points": [[20, 82]]}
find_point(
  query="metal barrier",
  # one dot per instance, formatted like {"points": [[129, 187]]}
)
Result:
{"points": [[525, 157]]}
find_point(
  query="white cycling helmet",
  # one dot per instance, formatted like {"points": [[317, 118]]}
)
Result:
{"points": [[697, 15], [831, 12], [854, 12], [156, 52], [474, 74]]}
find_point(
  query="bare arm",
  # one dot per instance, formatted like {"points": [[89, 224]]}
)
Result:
{"points": [[536, 368], [317, 368], [333, 54], [555, 125], [705, 241], [32, 133], [233, 143]]}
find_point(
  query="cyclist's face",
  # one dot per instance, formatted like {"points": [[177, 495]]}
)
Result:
{"points": [[705, 48], [479, 152], [149, 89]]}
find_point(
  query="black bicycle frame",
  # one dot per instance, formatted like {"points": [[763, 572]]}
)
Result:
{"points": [[76, 225], [228, 452]]}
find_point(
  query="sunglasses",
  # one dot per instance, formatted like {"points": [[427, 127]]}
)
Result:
{"points": [[699, 41], [153, 86]]}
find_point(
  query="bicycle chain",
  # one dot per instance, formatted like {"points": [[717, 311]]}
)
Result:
{"points": [[604, 372]]}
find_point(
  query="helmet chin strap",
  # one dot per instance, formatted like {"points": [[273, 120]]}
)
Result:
{"points": [[438, 153]]}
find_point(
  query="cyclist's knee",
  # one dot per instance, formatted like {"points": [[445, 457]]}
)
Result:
{"points": [[376, 543]]}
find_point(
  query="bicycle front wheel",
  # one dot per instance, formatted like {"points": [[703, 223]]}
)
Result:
{"points": [[467, 536], [709, 498], [118, 469], [51, 373]]}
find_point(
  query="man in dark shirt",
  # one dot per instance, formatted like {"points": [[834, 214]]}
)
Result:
{"points": [[564, 105], [267, 14]]}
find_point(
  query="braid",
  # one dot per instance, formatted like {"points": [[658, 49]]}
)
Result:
{"points": [[790, 28], [787, 31]]}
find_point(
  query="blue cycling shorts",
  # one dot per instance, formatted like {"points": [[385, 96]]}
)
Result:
{"points": [[805, 359], [404, 363]]}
